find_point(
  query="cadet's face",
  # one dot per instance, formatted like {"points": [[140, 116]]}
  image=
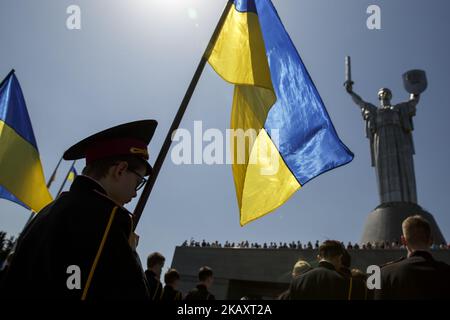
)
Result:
{"points": [[126, 182], [159, 269], [209, 282]]}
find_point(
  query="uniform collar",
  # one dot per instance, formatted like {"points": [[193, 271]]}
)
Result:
{"points": [[201, 287], [327, 265], [153, 274], [85, 183], [168, 287], [421, 253], [345, 271]]}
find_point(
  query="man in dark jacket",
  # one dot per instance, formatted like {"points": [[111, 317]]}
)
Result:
{"points": [[200, 292], [82, 245], [418, 276], [356, 280], [170, 292], [300, 267], [322, 282], [155, 263]]}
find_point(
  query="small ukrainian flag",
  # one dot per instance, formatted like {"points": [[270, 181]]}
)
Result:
{"points": [[72, 174], [21, 175]]}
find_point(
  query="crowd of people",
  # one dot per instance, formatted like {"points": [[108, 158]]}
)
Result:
{"points": [[6, 245], [170, 291], [299, 246], [417, 276], [82, 246]]}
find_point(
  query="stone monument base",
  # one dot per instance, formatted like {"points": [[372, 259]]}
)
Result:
{"points": [[385, 222]]}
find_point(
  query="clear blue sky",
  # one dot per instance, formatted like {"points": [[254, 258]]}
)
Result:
{"points": [[134, 59]]}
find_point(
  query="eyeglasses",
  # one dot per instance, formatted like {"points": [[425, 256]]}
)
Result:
{"points": [[142, 182]]}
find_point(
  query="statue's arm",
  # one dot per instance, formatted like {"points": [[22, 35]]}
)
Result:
{"points": [[361, 103], [365, 106], [410, 104]]}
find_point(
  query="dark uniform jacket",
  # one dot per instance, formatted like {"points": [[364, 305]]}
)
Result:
{"points": [[170, 294], [357, 286], [200, 293], [285, 295], [320, 283], [69, 232], [417, 277], [155, 286]]}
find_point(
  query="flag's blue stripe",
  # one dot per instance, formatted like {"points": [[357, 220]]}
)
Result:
{"points": [[245, 5], [13, 110], [5, 194], [308, 141]]}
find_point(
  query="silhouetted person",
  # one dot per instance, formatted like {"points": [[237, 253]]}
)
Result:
{"points": [[170, 292], [322, 282], [418, 276], [82, 245], [155, 263], [300, 267], [200, 292], [361, 276], [357, 285]]}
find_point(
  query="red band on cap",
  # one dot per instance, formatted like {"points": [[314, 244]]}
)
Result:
{"points": [[116, 147]]}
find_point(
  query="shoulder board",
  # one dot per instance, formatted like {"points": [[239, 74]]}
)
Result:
{"points": [[113, 203], [121, 210], [393, 262]]}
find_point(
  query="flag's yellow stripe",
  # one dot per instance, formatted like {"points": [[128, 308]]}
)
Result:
{"points": [[249, 112], [268, 183], [21, 170], [239, 56]]}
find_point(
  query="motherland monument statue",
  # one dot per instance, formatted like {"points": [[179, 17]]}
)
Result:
{"points": [[389, 128]]}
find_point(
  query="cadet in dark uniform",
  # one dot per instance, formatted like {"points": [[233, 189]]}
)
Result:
{"points": [[82, 245], [170, 292], [300, 267], [155, 263], [322, 282], [361, 293], [357, 284], [200, 292], [418, 276]]}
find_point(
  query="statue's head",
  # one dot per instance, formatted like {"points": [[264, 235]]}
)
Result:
{"points": [[385, 96]]}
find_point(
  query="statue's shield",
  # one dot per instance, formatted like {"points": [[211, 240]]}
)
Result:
{"points": [[415, 81]]}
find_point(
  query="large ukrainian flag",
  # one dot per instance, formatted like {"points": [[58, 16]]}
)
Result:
{"points": [[275, 96], [21, 176]]}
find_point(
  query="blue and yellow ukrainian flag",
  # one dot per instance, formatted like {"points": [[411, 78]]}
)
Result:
{"points": [[21, 176], [72, 174], [275, 96]]}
